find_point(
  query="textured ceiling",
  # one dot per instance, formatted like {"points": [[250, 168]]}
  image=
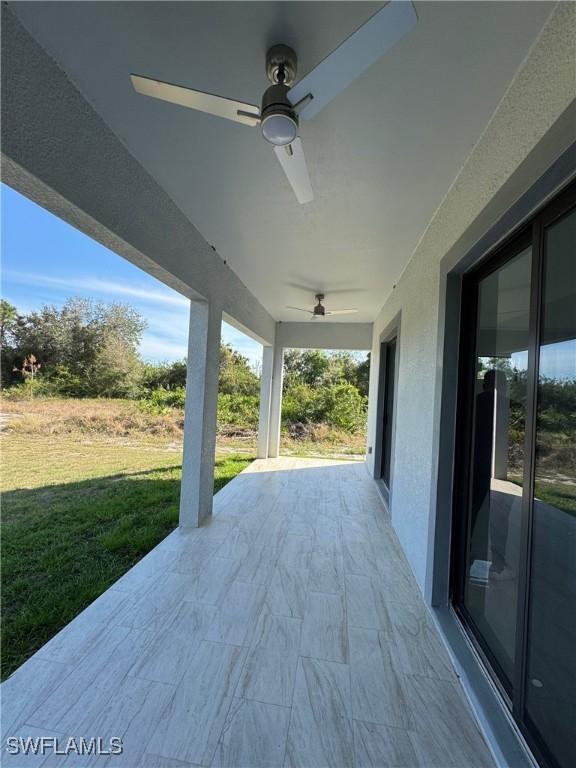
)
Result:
{"points": [[381, 156]]}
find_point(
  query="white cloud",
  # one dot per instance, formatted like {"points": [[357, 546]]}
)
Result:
{"points": [[96, 285], [166, 337], [157, 349], [171, 322]]}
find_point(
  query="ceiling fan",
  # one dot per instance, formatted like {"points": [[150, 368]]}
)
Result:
{"points": [[320, 310], [283, 103]]}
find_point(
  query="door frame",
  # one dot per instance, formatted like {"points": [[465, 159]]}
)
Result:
{"points": [[391, 333], [530, 233]]}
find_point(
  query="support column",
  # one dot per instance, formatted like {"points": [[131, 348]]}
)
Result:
{"points": [[276, 402], [197, 487], [265, 395]]}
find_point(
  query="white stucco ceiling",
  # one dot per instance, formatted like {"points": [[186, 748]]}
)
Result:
{"points": [[381, 156]]}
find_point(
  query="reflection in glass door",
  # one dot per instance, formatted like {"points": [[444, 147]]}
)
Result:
{"points": [[551, 641], [495, 513], [514, 576]]}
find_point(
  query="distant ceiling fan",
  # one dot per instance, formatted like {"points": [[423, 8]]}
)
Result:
{"points": [[282, 105], [320, 310]]}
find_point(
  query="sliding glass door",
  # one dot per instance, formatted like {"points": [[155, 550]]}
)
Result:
{"points": [[551, 632], [514, 575], [497, 465]]}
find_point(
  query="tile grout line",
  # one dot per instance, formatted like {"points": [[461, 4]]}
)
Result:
{"points": [[353, 729], [298, 663]]}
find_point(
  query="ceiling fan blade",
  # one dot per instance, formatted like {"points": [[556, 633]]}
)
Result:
{"points": [[247, 114], [293, 164], [353, 56], [341, 311], [313, 291], [299, 309]]}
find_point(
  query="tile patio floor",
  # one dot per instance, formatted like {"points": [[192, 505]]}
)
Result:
{"points": [[287, 632]]}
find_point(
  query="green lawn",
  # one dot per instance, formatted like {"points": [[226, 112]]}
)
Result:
{"points": [[559, 495], [76, 516]]}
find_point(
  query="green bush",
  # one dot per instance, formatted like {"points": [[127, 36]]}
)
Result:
{"points": [[233, 410], [30, 388], [303, 404], [166, 375], [346, 408], [341, 406], [160, 400], [238, 410], [64, 382]]}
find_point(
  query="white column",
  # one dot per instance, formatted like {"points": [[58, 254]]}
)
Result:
{"points": [[276, 402], [501, 427], [265, 395], [197, 487]]}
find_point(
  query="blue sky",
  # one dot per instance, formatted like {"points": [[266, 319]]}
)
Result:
{"points": [[46, 261]]}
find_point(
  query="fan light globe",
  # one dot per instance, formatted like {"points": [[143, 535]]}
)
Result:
{"points": [[279, 129]]}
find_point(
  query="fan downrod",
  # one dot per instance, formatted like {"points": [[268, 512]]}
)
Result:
{"points": [[281, 65]]}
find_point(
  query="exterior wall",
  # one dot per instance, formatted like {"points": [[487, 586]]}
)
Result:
{"points": [[532, 126], [322, 335]]}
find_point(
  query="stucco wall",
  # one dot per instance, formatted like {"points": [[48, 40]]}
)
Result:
{"points": [[514, 149], [322, 335]]}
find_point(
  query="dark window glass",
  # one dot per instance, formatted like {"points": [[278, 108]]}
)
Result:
{"points": [[497, 466], [551, 650], [388, 413]]}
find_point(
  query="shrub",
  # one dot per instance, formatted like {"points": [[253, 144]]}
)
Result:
{"points": [[238, 411], [166, 375], [160, 400], [65, 383], [233, 409], [29, 389], [304, 404], [345, 407], [341, 406]]}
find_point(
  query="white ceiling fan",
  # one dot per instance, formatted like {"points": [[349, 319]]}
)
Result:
{"points": [[320, 310], [283, 102]]}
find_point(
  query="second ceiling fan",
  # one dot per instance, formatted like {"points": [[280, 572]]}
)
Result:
{"points": [[319, 310], [283, 103]]}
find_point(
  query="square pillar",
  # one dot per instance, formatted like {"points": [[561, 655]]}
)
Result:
{"points": [[265, 397], [203, 367], [276, 402]]}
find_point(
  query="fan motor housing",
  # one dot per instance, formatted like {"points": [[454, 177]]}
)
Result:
{"points": [[319, 309], [279, 121]]}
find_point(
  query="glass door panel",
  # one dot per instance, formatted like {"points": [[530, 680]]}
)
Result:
{"points": [[497, 460], [514, 574], [550, 697]]}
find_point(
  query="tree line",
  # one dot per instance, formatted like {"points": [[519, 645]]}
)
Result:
{"points": [[90, 349]]}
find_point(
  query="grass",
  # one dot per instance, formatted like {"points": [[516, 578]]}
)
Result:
{"points": [[351, 447], [559, 495], [88, 488], [124, 421], [77, 514]]}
